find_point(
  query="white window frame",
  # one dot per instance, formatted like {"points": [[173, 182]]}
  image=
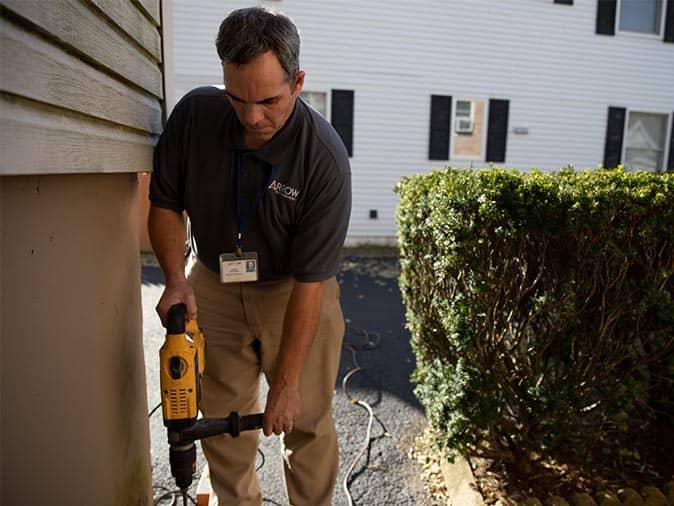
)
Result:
{"points": [[657, 36], [328, 100], [485, 131], [668, 133]]}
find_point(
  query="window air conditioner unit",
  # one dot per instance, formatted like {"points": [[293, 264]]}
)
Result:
{"points": [[464, 126]]}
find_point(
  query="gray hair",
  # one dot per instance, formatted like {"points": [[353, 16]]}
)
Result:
{"points": [[247, 33]]}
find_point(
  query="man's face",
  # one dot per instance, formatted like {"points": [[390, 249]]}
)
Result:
{"points": [[261, 96]]}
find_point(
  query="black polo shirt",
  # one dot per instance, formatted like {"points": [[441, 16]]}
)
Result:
{"points": [[300, 222]]}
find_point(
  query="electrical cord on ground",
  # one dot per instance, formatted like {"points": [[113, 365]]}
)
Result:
{"points": [[167, 493], [261, 465], [153, 410], [174, 495], [354, 348]]}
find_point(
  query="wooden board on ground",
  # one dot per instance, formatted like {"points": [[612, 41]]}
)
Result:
{"points": [[205, 495]]}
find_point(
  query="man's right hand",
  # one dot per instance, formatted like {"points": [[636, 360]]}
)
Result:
{"points": [[175, 293]]}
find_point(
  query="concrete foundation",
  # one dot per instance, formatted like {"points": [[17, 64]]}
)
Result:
{"points": [[74, 408]]}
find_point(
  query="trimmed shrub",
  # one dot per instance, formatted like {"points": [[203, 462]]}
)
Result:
{"points": [[540, 305]]}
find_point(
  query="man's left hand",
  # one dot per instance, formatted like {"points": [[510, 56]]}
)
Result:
{"points": [[283, 408]]}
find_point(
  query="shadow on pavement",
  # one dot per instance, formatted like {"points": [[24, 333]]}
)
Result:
{"points": [[151, 275], [371, 302]]}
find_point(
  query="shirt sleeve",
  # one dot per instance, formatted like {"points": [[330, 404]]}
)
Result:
{"points": [[167, 181], [321, 230]]}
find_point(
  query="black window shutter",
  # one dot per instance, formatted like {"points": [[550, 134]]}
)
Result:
{"points": [[341, 114], [615, 126], [497, 131], [606, 10], [565, 2], [669, 22], [441, 114], [670, 161]]}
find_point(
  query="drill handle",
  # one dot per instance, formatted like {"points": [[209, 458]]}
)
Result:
{"points": [[175, 319], [233, 425], [251, 422]]}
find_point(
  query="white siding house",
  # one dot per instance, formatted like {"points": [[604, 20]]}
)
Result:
{"points": [[522, 83]]}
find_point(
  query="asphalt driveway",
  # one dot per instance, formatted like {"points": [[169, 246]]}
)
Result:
{"points": [[374, 314]]}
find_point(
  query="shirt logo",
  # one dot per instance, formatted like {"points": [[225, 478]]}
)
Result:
{"points": [[284, 190]]}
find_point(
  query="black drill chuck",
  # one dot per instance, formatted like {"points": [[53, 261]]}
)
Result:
{"points": [[183, 464]]}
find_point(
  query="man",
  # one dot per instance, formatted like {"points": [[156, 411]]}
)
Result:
{"points": [[265, 181]]}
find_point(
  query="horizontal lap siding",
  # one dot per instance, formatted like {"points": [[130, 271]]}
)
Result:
{"points": [[558, 75], [82, 85], [40, 139]]}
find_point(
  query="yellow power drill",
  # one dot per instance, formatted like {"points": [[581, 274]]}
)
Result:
{"points": [[182, 361]]}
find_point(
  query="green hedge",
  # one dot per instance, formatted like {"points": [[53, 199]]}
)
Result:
{"points": [[540, 305]]}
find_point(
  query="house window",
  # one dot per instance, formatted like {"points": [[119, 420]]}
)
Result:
{"points": [[468, 132], [645, 141], [641, 16], [463, 123], [318, 100]]}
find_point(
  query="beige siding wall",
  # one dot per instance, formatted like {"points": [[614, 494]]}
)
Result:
{"points": [[81, 98], [74, 409], [144, 210], [81, 86]]}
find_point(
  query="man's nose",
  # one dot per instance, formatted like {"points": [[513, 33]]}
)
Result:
{"points": [[253, 114]]}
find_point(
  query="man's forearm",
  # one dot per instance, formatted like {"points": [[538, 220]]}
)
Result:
{"points": [[299, 329], [167, 235]]}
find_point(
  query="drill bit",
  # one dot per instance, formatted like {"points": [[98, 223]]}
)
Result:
{"points": [[183, 491]]}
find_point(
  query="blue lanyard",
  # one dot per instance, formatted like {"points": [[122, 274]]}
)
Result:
{"points": [[241, 219]]}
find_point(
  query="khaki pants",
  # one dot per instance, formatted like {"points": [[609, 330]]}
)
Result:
{"points": [[242, 323]]}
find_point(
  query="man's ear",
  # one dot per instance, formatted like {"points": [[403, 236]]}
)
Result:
{"points": [[299, 83]]}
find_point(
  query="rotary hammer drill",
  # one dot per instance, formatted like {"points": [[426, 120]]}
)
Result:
{"points": [[182, 362]]}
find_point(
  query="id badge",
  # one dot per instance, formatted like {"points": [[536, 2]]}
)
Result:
{"points": [[238, 269]]}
